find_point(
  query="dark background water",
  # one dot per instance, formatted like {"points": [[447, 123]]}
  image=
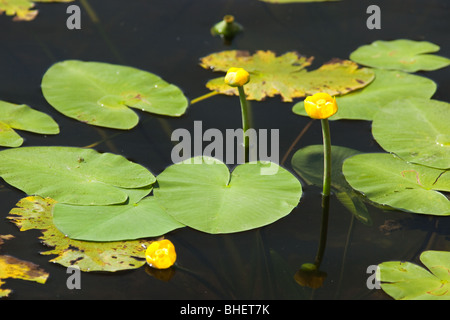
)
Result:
{"points": [[168, 38]]}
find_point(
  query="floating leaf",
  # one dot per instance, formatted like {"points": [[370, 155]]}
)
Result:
{"points": [[417, 130], [100, 93], [72, 175], [388, 86], [22, 9], [286, 75], [408, 281], [402, 54], [204, 196], [308, 163], [34, 212], [134, 220], [11, 267], [388, 180], [22, 117]]}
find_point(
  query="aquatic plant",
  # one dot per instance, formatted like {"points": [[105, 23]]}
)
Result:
{"points": [[161, 254]]}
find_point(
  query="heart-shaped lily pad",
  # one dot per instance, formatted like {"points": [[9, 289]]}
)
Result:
{"points": [[100, 93], [402, 54], [72, 175], [388, 86], [388, 180], [417, 130], [408, 281], [203, 195]]}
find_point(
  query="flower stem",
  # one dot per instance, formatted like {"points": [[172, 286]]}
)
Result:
{"points": [[245, 121], [326, 157], [205, 96]]}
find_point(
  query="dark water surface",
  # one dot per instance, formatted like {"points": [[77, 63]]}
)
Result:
{"points": [[168, 38]]}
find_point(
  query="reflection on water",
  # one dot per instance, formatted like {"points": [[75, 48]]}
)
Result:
{"points": [[168, 40]]}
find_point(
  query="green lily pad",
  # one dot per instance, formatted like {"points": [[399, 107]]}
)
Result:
{"points": [[203, 195], [100, 93], [402, 54], [138, 218], [72, 175], [417, 130], [308, 163], [408, 281], [388, 180], [22, 117], [388, 86], [285, 75]]}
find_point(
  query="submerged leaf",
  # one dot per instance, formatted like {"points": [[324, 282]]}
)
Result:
{"points": [[417, 130], [205, 196], [388, 180], [388, 86], [72, 175], [286, 75], [36, 213], [408, 281], [308, 163], [101, 94], [402, 54], [22, 117], [11, 267]]}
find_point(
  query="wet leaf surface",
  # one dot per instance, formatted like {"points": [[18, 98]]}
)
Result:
{"points": [[36, 213], [286, 75]]}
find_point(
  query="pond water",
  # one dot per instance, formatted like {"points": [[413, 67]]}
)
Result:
{"points": [[168, 38]]}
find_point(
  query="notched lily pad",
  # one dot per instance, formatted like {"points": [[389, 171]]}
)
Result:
{"points": [[204, 195], [72, 175], [102, 94], [285, 75], [388, 180], [11, 267], [22, 117], [402, 54], [420, 132], [35, 212], [408, 281]]}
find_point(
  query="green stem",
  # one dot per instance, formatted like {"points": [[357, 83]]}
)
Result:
{"points": [[323, 231], [245, 121], [326, 157]]}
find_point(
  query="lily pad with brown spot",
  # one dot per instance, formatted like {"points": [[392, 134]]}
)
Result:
{"points": [[285, 75]]}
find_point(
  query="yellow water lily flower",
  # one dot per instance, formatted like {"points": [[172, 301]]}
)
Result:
{"points": [[237, 77], [161, 254], [320, 105]]}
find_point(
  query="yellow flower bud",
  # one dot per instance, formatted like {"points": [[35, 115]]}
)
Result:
{"points": [[237, 77], [320, 106], [161, 254]]}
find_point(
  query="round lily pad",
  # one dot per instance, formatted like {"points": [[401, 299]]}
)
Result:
{"points": [[388, 180], [72, 175], [205, 196], [402, 54], [100, 93], [417, 130]]}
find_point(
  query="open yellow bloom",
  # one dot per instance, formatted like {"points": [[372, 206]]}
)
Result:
{"points": [[161, 254], [320, 106], [237, 77]]}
